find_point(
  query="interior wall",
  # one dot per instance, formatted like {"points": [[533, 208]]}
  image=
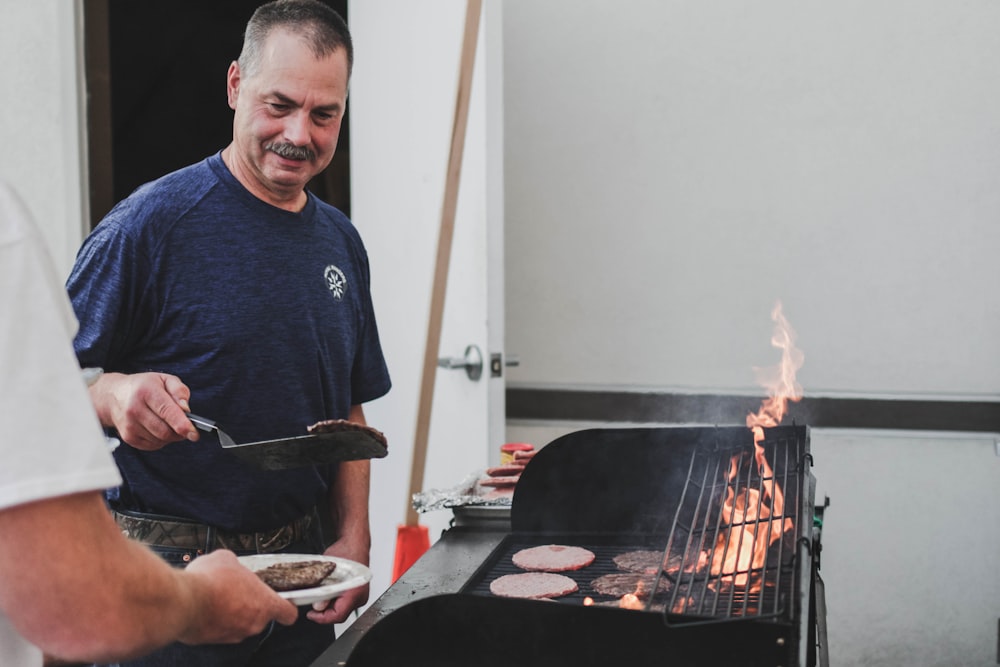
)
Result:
{"points": [[674, 168]]}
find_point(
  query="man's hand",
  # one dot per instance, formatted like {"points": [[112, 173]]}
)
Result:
{"points": [[339, 608], [147, 409], [232, 602]]}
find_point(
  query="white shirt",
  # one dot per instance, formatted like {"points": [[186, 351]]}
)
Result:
{"points": [[51, 443]]}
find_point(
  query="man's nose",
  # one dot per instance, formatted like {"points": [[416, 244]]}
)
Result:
{"points": [[297, 129]]}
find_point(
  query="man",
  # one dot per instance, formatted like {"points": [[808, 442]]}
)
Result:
{"points": [[227, 289], [70, 583]]}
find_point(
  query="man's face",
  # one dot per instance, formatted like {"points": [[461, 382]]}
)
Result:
{"points": [[288, 116]]}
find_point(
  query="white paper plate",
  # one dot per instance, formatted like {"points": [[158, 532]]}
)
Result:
{"points": [[347, 576]]}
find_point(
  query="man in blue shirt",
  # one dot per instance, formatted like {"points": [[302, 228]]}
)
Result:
{"points": [[227, 289]]}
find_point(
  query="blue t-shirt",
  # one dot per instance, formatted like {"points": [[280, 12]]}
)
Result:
{"points": [[265, 314]]}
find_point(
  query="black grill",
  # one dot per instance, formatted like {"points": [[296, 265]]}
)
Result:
{"points": [[695, 494]]}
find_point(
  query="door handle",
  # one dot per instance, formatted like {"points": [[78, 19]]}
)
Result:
{"points": [[472, 362]]}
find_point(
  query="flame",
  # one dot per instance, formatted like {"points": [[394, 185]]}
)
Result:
{"points": [[683, 604], [588, 601], [633, 600], [741, 547], [779, 381]]}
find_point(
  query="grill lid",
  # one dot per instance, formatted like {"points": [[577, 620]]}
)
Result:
{"points": [[632, 480]]}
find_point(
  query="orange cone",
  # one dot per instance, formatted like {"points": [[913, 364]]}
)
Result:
{"points": [[411, 543]]}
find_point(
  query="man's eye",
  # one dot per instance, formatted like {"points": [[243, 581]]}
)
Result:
{"points": [[279, 108]]}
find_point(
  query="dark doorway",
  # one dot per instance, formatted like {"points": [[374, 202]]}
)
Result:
{"points": [[156, 89]]}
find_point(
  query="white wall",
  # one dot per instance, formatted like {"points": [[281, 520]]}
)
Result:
{"points": [[673, 168], [910, 547], [41, 118]]}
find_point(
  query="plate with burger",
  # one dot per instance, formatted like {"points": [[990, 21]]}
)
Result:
{"points": [[305, 579]]}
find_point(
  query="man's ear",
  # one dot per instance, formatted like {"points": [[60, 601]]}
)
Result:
{"points": [[233, 84]]}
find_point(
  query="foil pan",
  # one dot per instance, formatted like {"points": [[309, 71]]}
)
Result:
{"points": [[468, 493]]}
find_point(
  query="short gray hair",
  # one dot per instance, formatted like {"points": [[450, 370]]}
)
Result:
{"points": [[318, 24]]}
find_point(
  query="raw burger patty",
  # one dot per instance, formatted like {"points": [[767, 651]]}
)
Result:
{"points": [[623, 583], [553, 558], [645, 562], [510, 480], [505, 470], [294, 576], [534, 585]]}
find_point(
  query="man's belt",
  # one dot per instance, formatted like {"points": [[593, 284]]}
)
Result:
{"points": [[164, 531]]}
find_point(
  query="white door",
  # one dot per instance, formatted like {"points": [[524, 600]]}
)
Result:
{"points": [[402, 106]]}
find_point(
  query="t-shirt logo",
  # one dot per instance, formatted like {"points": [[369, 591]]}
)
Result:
{"points": [[335, 281]]}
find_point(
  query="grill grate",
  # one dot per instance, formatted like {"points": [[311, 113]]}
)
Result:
{"points": [[605, 548], [729, 504]]}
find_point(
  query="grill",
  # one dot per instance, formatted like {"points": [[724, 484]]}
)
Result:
{"points": [[701, 498]]}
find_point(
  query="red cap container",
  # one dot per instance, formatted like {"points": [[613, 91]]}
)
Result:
{"points": [[507, 451]]}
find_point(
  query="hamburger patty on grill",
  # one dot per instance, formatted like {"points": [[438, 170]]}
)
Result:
{"points": [[533, 585], [643, 561], [553, 558], [618, 584]]}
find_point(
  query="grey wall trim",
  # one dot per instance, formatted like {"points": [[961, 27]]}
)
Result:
{"points": [[671, 408]]}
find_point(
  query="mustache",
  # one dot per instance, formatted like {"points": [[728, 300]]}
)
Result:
{"points": [[291, 151]]}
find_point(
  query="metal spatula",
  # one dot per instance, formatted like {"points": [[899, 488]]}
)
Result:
{"points": [[342, 442], [208, 425]]}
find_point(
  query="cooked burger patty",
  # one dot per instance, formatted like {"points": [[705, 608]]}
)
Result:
{"points": [[623, 583], [298, 575], [533, 585], [342, 425], [553, 558], [647, 562]]}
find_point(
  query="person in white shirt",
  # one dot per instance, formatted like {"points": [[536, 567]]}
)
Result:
{"points": [[71, 585]]}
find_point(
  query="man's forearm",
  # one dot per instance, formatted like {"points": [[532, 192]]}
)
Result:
{"points": [[349, 498], [349, 503], [122, 599]]}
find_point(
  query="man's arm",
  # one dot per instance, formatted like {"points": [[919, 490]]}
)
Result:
{"points": [[75, 587], [349, 506]]}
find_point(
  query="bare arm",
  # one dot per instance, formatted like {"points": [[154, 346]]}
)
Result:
{"points": [[75, 587], [349, 504]]}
